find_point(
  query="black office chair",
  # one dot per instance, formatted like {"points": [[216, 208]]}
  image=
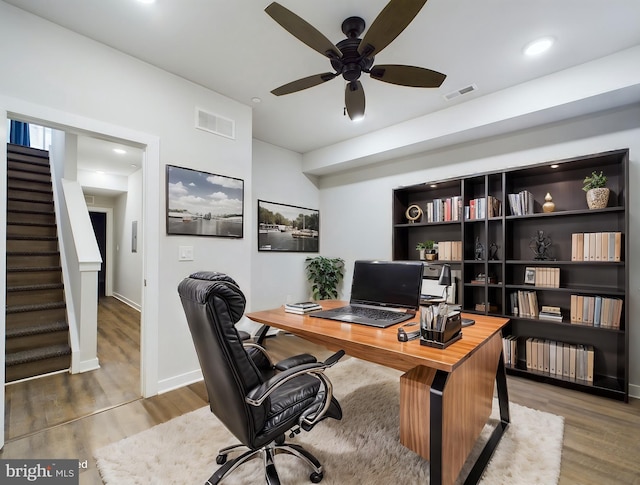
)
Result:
{"points": [[257, 401]]}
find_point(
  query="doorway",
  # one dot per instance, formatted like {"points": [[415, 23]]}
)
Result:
{"points": [[99, 223]]}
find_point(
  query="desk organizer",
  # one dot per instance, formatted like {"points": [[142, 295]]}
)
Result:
{"points": [[451, 333]]}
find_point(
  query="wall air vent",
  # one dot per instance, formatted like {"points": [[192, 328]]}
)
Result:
{"points": [[214, 123], [460, 92], [89, 199]]}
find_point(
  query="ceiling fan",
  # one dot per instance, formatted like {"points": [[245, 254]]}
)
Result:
{"points": [[353, 56]]}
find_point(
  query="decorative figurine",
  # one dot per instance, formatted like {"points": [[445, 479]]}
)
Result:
{"points": [[493, 251], [479, 250], [540, 246]]}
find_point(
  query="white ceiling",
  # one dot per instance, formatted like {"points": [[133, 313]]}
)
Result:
{"points": [[233, 47]]}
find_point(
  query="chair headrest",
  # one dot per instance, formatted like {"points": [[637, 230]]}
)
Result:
{"points": [[200, 286]]}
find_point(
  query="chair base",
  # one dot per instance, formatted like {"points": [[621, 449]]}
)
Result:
{"points": [[267, 452]]}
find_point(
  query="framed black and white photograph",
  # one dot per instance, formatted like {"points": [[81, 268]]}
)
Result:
{"points": [[530, 276], [283, 227], [204, 204]]}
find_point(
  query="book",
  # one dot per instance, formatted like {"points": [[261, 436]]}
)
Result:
{"points": [[302, 307]]}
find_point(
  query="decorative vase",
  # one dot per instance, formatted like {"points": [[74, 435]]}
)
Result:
{"points": [[548, 206], [598, 198]]}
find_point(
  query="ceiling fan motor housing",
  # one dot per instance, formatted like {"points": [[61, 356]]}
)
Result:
{"points": [[352, 64]]}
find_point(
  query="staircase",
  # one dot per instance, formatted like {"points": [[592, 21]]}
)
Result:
{"points": [[37, 332]]}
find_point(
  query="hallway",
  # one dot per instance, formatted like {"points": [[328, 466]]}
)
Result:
{"points": [[34, 405]]}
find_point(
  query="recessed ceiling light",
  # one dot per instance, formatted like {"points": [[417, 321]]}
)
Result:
{"points": [[119, 151], [554, 166], [134, 165], [256, 100], [100, 172], [147, 1], [538, 46]]}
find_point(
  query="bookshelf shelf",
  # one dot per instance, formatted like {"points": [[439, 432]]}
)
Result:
{"points": [[498, 247]]}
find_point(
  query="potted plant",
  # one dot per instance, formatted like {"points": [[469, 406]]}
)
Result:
{"points": [[324, 274], [427, 250], [597, 192]]}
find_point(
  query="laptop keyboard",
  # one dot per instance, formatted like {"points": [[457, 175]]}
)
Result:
{"points": [[371, 313]]}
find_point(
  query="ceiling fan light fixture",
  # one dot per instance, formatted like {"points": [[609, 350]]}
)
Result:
{"points": [[538, 46]]}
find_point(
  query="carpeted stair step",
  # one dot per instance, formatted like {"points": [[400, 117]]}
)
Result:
{"points": [[19, 339], [27, 259], [19, 316], [40, 293], [28, 175], [20, 183], [31, 155], [30, 229], [34, 275], [35, 216], [42, 195], [34, 243], [30, 363], [25, 166], [21, 203]]}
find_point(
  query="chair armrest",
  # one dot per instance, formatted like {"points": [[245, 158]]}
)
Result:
{"points": [[294, 361], [257, 396]]}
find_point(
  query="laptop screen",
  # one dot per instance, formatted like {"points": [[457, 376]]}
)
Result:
{"points": [[387, 283]]}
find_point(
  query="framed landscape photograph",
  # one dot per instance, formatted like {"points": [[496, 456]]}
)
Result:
{"points": [[204, 204], [283, 227]]}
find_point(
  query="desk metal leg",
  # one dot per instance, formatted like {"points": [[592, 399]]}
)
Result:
{"points": [[435, 425], [503, 401], [436, 420], [262, 334]]}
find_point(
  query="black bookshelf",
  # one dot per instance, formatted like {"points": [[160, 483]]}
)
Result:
{"points": [[511, 237]]}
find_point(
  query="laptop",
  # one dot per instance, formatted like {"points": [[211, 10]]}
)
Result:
{"points": [[383, 293]]}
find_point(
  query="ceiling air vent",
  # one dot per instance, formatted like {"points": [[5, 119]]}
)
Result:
{"points": [[460, 92], [214, 123], [89, 199]]}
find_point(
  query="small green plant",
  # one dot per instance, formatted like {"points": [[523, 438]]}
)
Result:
{"points": [[325, 275], [428, 245], [595, 181]]}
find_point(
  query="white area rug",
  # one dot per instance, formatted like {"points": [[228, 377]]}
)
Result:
{"points": [[363, 448]]}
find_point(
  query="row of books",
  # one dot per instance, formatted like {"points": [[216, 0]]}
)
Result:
{"points": [[442, 210], [572, 361], [481, 207], [542, 276], [521, 203], [524, 304], [596, 311], [450, 250], [510, 350], [596, 246], [302, 307]]}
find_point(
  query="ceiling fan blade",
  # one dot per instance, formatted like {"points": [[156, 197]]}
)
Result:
{"points": [[302, 30], [389, 24], [354, 100], [417, 77], [304, 83]]}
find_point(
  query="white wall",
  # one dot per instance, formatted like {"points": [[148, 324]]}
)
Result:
{"points": [[358, 203], [127, 277], [278, 277], [56, 71]]}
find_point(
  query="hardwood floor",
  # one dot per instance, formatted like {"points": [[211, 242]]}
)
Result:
{"points": [[37, 404], [600, 441]]}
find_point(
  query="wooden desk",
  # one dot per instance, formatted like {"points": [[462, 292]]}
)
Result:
{"points": [[445, 395]]}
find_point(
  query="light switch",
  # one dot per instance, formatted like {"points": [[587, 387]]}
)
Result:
{"points": [[185, 253]]}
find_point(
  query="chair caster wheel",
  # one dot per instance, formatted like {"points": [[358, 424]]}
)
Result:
{"points": [[221, 459], [316, 477]]}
